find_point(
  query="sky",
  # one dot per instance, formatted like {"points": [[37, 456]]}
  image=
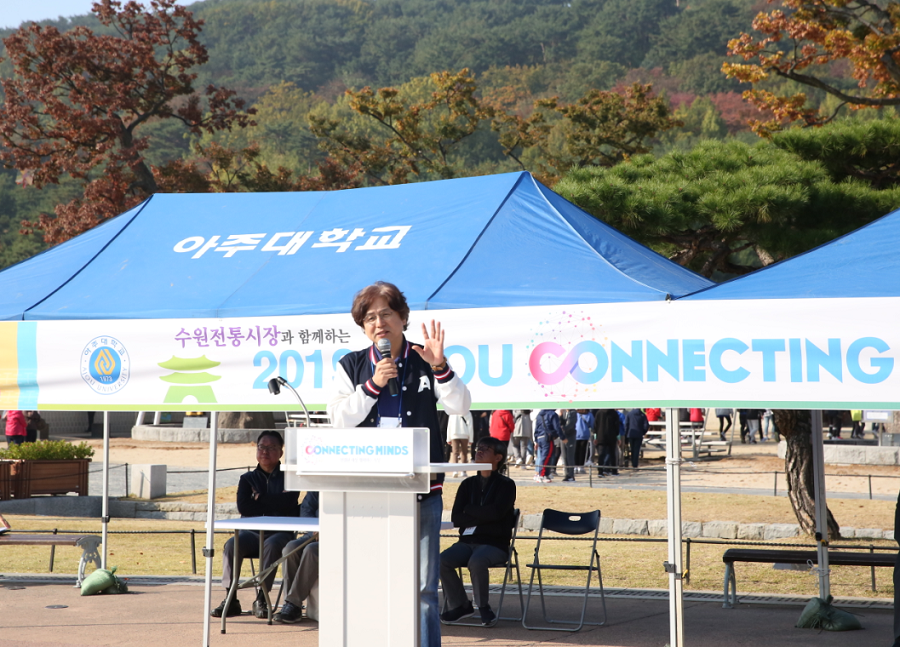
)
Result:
{"points": [[15, 12]]}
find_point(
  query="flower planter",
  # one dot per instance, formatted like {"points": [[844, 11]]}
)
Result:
{"points": [[32, 477], [5, 480]]}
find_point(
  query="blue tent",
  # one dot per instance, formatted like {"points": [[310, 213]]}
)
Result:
{"points": [[862, 263], [501, 240]]}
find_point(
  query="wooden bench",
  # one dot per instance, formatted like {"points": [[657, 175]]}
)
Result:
{"points": [[89, 544], [835, 558]]}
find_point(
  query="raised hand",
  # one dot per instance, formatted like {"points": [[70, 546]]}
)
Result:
{"points": [[432, 350]]}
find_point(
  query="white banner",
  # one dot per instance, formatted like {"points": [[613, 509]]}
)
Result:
{"points": [[806, 353]]}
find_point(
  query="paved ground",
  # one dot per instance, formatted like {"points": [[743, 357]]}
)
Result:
{"points": [[173, 613]]}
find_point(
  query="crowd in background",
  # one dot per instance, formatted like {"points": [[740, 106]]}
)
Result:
{"points": [[565, 442]]}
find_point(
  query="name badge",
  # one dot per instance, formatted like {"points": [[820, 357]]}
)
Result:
{"points": [[469, 531], [389, 423]]}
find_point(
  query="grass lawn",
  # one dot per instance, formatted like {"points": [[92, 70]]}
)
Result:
{"points": [[625, 563]]}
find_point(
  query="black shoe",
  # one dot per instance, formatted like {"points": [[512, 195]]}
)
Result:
{"points": [[569, 478], [260, 608], [488, 617], [233, 610], [458, 613], [289, 614]]}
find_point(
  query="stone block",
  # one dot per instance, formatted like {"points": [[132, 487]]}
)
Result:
{"points": [[196, 422], [830, 453], [145, 432], [847, 532], [692, 529], [123, 509], [658, 527], [606, 525], [531, 522], [881, 455], [630, 527], [720, 529], [151, 514], [751, 531], [782, 449], [888, 534], [781, 531], [869, 533], [148, 481]]}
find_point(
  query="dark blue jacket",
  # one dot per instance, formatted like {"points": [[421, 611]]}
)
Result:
{"points": [[546, 426], [636, 424], [273, 501]]}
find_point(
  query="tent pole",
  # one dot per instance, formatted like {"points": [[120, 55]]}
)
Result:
{"points": [[818, 457], [210, 520], [105, 512], [674, 566]]}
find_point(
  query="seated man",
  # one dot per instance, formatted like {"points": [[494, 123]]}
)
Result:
{"points": [[260, 493], [484, 512], [301, 568]]}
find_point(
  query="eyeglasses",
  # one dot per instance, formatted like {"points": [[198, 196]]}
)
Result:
{"points": [[268, 449], [384, 315], [480, 450]]}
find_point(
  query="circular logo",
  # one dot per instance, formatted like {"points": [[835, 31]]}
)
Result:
{"points": [[105, 365]]}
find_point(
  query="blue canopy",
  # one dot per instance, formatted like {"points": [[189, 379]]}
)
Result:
{"points": [[862, 263], [493, 241]]}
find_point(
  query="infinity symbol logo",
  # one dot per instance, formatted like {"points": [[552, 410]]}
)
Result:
{"points": [[569, 365]]}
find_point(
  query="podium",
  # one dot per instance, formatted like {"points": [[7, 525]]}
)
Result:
{"points": [[368, 479]]}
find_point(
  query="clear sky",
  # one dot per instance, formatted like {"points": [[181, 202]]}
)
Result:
{"points": [[15, 12]]}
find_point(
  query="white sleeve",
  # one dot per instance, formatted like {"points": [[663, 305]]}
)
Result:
{"points": [[350, 405], [454, 395]]}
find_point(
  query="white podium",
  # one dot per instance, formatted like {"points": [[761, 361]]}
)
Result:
{"points": [[368, 480]]}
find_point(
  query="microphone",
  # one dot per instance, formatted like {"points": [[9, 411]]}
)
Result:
{"points": [[384, 347]]}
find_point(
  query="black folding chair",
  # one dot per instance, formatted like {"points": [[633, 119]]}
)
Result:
{"points": [[566, 523], [512, 561]]}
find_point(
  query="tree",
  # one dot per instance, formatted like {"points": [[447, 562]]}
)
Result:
{"points": [[725, 208], [423, 127], [796, 427], [808, 42], [78, 102]]}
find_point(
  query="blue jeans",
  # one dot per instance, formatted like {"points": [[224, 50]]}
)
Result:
{"points": [[429, 568], [541, 457]]}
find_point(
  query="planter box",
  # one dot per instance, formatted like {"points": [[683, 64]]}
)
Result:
{"points": [[5, 480], [50, 477]]}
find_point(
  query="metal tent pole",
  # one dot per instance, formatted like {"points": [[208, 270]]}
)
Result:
{"points": [[104, 515], [674, 565], [208, 550], [818, 449]]}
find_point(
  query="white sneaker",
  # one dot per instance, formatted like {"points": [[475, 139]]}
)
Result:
{"points": [[519, 461], [529, 460], [463, 475], [455, 475], [538, 479]]}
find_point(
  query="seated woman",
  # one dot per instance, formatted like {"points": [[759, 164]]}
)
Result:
{"points": [[484, 512]]}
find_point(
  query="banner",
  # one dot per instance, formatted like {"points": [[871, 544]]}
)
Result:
{"points": [[804, 353]]}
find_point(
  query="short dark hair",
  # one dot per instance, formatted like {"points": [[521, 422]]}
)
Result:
{"points": [[271, 434], [496, 446], [391, 293]]}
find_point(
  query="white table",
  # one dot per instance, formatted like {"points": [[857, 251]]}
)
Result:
{"points": [[261, 525]]}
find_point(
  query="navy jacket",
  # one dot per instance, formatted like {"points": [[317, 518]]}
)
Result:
{"points": [[273, 501]]}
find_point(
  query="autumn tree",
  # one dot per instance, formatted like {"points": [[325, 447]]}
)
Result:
{"points": [[77, 103], [806, 42], [421, 137]]}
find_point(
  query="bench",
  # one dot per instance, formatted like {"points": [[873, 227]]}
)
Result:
{"points": [[89, 544], [836, 558]]}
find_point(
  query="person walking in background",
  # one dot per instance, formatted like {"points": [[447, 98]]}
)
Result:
{"points": [[546, 430], [636, 427], [570, 431], [15, 427], [724, 416], [767, 424], [522, 434], [753, 424], [460, 432], [583, 439], [502, 427], [654, 414], [742, 419], [606, 428]]}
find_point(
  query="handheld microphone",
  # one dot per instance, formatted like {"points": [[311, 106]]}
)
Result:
{"points": [[384, 347]]}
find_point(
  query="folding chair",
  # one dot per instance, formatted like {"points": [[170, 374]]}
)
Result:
{"points": [[512, 560], [566, 523]]}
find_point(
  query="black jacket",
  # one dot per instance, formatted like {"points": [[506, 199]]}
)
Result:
{"points": [[273, 501], [489, 510], [606, 427]]}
